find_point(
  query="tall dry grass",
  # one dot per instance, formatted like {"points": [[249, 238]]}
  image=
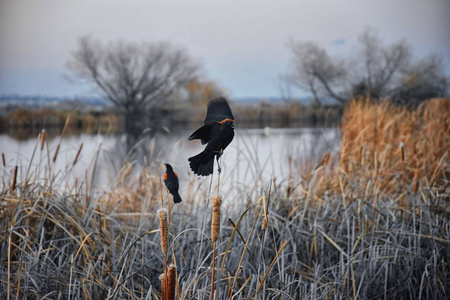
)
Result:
{"points": [[396, 146], [357, 225], [387, 150]]}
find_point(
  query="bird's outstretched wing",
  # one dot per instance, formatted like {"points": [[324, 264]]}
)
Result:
{"points": [[218, 110], [203, 134]]}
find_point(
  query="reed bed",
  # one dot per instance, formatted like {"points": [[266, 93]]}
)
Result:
{"points": [[386, 151], [369, 222], [23, 123]]}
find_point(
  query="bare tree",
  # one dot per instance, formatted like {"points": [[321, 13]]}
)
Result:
{"points": [[376, 71], [136, 78], [424, 79], [383, 66], [316, 71]]}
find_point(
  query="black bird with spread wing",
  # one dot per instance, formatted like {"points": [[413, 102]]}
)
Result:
{"points": [[171, 182], [217, 132]]}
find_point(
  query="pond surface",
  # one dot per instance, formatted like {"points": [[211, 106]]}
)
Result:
{"points": [[254, 154]]}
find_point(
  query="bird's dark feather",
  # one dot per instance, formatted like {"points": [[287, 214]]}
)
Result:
{"points": [[203, 134], [218, 110]]}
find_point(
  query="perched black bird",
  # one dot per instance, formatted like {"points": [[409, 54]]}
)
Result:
{"points": [[217, 132], [171, 181]]}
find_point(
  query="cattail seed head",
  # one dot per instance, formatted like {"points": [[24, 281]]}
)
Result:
{"points": [[172, 280], [264, 223], [163, 286], [43, 137], [163, 229], [13, 186], [56, 153], [362, 155], [78, 154], [402, 151], [215, 223]]}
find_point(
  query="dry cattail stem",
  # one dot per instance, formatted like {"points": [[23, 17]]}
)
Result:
{"points": [[215, 223], [78, 154], [172, 279], [13, 186], [163, 229], [56, 153], [3, 160], [43, 137]]}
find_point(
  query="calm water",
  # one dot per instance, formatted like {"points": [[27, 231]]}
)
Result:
{"points": [[254, 154]]}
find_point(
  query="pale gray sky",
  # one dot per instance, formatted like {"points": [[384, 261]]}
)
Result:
{"points": [[241, 44]]}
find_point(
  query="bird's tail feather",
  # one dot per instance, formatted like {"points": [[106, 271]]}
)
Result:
{"points": [[202, 164], [176, 197]]}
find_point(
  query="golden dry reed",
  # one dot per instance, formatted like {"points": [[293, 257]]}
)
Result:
{"points": [[387, 148], [215, 223], [383, 130], [163, 229]]}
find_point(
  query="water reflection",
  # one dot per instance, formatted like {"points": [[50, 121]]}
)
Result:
{"points": [[254, 154]]}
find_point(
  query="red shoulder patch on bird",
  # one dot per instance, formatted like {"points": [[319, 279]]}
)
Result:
{"points": [[165, 176], [175, 174], [225, 120]]}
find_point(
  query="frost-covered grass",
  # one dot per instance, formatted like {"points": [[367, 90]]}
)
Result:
{"points": [[371, 222]]}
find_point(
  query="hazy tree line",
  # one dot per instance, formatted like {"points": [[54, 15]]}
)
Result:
{"points": [[136, 78], [140, 79], [376, 70]]}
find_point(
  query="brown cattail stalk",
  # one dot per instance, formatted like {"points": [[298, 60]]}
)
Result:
{"points": [[265, 219], [56, 153], [264, 223], [171, 282], [13, 186], [215, 232], [402, 152], [43, 137], [163, 286], [215, 223], [3, 160], [78, 154], [163, 229]]}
